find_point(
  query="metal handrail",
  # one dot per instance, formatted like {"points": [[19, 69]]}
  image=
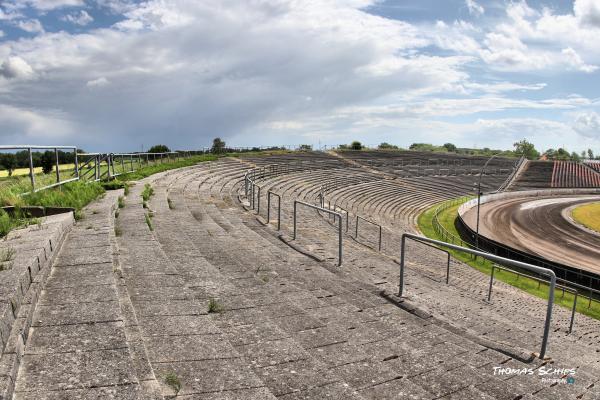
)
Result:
{"points": [[269, 194], [564, 289], [518, 264], [442, 250], [296, 202], [507, 181], [358, 217]]}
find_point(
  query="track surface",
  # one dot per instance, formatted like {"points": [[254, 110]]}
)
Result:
{"points": [[542, 227]]}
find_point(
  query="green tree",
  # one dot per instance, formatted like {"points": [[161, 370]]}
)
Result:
{"points": [[526, 149], [305, 147], [47, 161], [590, 154], [385, 145], [450, 147], [159, 148], [218, 146], [9, 162], [356, 145]]}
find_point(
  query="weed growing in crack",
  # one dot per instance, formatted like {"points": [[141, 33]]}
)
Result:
{"points": [[7, 254], [147, 192], [173, 381], [149, 221], [214, 307]]}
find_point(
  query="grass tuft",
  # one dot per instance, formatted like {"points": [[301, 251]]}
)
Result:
{"points": [[118, 231], [147, 192], [7, 254], [173, 381], [149, 221], [214, 307], [121, 202]]}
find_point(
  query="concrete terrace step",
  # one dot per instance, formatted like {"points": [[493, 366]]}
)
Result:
{"points": [[210, 247], [28, 254], [577, 352], [77, 344], [170, 301]]}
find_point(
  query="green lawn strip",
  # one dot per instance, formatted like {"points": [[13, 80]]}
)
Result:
{"points": [[447, 219]]}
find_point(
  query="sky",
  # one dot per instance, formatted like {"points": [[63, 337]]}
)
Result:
{"points": [[121, 75]]}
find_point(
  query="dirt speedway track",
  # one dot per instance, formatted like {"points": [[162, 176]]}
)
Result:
{"points": [[542, 227]]}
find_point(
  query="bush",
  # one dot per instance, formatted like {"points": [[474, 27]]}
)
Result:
{"points": [[356, 145], [159, 148], [47, 161], [9, 162], [218, 146]]}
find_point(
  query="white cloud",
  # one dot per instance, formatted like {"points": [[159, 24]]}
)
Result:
{"points": [[80, 18], [588, 124], [474, 8], [587, 12], [34, 124], [576, 62], [226, 67], [46, 5], [16, 68], [30, 25], [541, 40], [102, 81], [184, 71]]}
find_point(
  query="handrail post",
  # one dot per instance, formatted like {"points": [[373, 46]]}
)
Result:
{"points": [[295, 210], [76, 165], [356, 228], [31, 174], [268, 207], [402, 251], [573, 311], [57, 165], [339, 240], [279, 212], [379, 237], [491, 282], [548, 315], [448, 270], [258, 208]]}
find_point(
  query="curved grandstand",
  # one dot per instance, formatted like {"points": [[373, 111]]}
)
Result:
{"points": [[199, 295]]}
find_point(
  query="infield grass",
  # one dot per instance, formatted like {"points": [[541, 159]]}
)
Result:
{"points": [[588, 215]]}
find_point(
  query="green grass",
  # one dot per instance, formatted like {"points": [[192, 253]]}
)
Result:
{"points": [[156, 168], [214, 307], [147, 192], [172, 380], [447, 219], [588, 215], [13, 190], [148, 221]]}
